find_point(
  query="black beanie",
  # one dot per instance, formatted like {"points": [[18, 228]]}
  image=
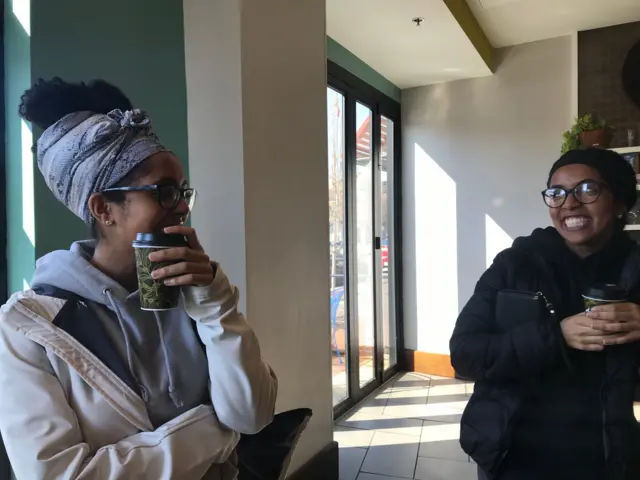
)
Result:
{"points": [[614, 170]]}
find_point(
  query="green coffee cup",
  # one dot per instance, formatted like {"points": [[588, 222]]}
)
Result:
{"points": [[603, 295], [154, 294]]}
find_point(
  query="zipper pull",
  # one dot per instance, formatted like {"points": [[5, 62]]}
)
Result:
{"points": [[547, 303]]}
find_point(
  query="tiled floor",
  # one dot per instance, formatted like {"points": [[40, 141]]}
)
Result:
{"points": [[408, 430]]}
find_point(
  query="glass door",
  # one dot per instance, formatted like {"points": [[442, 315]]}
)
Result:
{"points": [[337, 244], [364, 246], [385, 244], [363, 226]]}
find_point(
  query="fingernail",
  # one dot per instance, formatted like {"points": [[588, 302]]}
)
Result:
{"points": [[156, 273], [169, 281]]}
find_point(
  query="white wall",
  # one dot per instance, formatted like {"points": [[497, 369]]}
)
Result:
{"points": [[256, 84], [476, 155]]}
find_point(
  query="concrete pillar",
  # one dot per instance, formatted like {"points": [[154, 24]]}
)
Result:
{"points": [[256, 94]]}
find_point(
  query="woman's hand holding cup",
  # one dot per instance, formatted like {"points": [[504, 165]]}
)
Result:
{"points": [[580, 333], [621, 321], [192, 266]]}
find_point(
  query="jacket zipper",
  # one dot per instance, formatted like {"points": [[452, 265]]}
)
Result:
{"points": [[603, 396], [549, 306], [605, 439], [606, 447]]}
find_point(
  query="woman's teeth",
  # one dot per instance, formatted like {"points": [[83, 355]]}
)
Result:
{"points": [[575, 223]]}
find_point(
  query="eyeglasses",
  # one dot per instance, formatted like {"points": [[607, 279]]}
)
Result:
{"points": [[587, 191], [168, 196]]}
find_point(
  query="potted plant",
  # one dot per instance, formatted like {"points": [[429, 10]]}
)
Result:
{"points": [[587, 132]]}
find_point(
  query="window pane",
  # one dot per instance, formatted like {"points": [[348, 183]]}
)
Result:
{"points": [[387, 242], [364, 244], [335, 124]]}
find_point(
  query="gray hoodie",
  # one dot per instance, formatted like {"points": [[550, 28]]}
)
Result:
{"points": [[162, 349]]}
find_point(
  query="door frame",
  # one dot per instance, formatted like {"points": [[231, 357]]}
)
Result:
{"points": [[356, 90], [5, 466], [4, 267]]}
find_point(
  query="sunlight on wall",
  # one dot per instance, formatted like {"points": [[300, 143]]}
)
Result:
{"points": [[496, 239], [22, 11], [28, 207], [436, 254]]}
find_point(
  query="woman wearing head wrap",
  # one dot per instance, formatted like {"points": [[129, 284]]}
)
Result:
{"points": [[555, 384], [135, 394]]}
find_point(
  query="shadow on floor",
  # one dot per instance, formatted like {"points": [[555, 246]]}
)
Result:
{"points": [[407, 429]]}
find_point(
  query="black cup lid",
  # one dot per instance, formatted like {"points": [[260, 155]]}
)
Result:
{"points": [[160, 240], [608, 292]]}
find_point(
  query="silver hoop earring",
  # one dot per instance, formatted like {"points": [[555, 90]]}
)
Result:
{"points": [[109, 222]]}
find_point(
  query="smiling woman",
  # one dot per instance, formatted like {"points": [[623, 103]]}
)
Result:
{"points": [[555, 384], [590, 191]]}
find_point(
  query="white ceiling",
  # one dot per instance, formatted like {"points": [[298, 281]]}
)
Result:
{"points": [[511, 22], [382, 34]]}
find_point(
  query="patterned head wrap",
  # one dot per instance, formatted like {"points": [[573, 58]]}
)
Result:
{"points": [[84, 153]]}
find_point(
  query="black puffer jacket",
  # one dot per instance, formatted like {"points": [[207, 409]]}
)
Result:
{"points": [[541, 410]]}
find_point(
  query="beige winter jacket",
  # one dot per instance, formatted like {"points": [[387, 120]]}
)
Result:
{"points": [[65, 415]]}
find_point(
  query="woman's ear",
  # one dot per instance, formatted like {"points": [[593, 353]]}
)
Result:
{"points": [[622, 211], [99, 208]]}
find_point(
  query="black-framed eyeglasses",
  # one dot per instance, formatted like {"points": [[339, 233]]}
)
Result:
{"points": [[587, 191], [168, 196]]}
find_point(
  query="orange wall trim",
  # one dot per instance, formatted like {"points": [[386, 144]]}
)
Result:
{"points": [[429, 363]]}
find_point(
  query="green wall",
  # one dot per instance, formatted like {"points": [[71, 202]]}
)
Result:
{"points": [[347, 60], [136, 45], [17, 71]]}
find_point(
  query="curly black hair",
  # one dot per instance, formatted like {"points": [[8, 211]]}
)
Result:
{"points": [[47, 101]]}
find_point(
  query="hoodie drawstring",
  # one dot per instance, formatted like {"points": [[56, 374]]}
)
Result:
{"points": [[173, 393], [144, 393]]}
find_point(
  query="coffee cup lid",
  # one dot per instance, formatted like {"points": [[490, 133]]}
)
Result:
{"points": [[160, 240], [609, 292]]}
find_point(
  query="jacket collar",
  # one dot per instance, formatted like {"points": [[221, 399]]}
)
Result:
{"points": [[35, 320]]}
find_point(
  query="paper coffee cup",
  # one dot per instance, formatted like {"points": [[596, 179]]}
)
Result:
{"points": [[603, 295], [154, 294]]}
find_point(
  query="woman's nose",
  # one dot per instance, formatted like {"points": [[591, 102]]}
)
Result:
{"points": [[571, 202], [183, 207]]}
